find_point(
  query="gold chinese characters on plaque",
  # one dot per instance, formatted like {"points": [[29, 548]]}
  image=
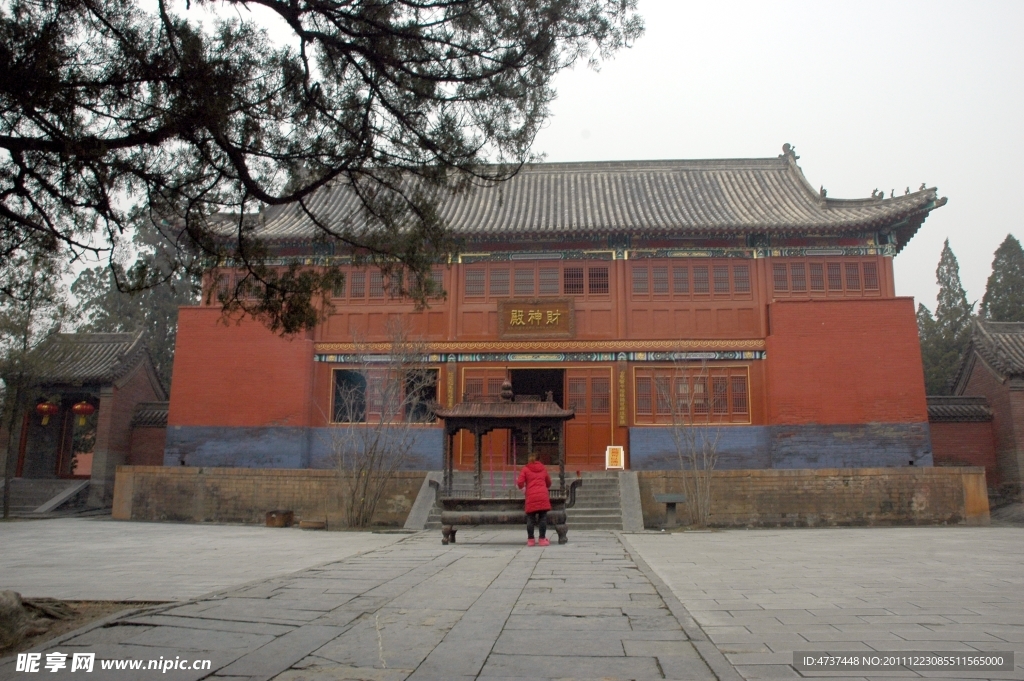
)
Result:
{"points": [[550, 318]]}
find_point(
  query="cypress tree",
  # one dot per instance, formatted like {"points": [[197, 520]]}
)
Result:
{"points": [[944, 337], [934, 383], [1004, 292]]}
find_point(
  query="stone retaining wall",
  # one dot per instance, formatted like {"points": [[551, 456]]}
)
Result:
{"points": [[837, 496], [244, 495]]}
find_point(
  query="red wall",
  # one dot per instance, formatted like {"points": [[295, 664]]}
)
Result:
{"points": [[238, 374], [970, 443], [844, 361], [1007, 418]]}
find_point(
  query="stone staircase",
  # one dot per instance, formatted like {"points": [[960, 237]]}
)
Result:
{"points": [[598, 501], [28, 494]]}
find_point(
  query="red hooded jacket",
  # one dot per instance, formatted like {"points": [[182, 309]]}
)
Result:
{"points": [[534, 477]]}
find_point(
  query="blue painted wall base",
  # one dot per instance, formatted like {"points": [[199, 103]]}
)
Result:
{"points": [[280, 447], [871, 445]]}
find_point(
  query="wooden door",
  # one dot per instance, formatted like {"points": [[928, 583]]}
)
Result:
{"points": [[588, 392]]}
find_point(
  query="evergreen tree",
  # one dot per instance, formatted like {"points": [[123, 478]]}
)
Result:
{"points": [[110, 107], [944, 337], [106, 308], [33, 306], [1004, 293]]}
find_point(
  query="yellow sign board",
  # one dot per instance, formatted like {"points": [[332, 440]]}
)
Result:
{"points": [[614, 458], [551, 318]]}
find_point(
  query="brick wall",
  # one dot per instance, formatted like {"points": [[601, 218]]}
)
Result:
{"points": [[823, 497], [147, 446], [114, 432], [238, 374], [846, 361], [1007, 422], [969, 443], [244, 495]]}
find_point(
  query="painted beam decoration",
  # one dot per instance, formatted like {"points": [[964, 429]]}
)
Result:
{"points": [[547, 318]]}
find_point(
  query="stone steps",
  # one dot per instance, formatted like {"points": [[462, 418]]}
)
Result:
{"points": [[29, 494]]}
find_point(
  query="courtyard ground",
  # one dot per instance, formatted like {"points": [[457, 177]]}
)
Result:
{"points": [[306, 606]]}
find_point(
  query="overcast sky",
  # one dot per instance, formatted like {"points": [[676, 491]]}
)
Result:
{"points": [[872, 95]]}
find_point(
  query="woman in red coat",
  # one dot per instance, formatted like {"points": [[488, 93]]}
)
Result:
{"points": [[534, 477]]}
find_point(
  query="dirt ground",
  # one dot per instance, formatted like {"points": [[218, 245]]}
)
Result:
{"points": [[83, 613]]}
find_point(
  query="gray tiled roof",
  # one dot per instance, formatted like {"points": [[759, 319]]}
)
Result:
{"points": [[80, 358], [958, 408], [152, 414], [707, 197], [1001, 345]]}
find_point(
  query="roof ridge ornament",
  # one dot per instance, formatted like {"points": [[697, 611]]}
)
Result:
{"points": [[789, 151]]}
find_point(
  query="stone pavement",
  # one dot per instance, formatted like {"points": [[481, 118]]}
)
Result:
{"points": [[759, 595], [107, 560], [487, 607], [603, 606]]}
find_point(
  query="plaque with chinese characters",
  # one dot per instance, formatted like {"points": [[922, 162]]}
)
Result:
{"points": [[549, 318]]}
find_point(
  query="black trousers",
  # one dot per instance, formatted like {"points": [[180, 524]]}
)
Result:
{"points": [[538, 518]]}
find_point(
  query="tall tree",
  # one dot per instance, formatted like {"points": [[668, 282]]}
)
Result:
{"points": [[33, 307], [154, 310], [944, 337], [117, 111], [1004, 292]]}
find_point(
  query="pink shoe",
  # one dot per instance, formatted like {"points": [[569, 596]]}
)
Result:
{"points": [[530, 542], [544, 542]]}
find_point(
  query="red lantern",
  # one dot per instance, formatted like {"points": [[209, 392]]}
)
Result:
{"points": [[82, 409], [46, 410]]}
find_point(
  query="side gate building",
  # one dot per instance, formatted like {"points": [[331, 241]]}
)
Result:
{"points": [[730, 289]]}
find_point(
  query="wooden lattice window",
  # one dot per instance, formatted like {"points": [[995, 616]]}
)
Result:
{"points": [[700, 395], [499, 282], [798, 277], [600, 395], [475, 282], [524, 281], [659, 280], [597, 280], [870, 276], [549, 284], [663, 390], [643, 396], [640, 283], [680, 280], [700, 279], [720, 395], [578, 395], [338, 290], [817, 276], [474, 387], [739, 394], [779, 279], [741, 279], [437, 281], [682, 395], [721, 273], [691, 396], [395, 282], [835, 276], [376, 284], [852, 276], [358, 284], [572, 281], [375, 392], [494, 386]]}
